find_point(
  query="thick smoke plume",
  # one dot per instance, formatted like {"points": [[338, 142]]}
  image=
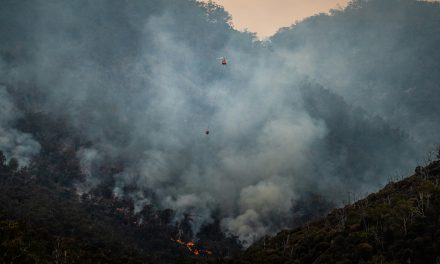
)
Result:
{"points": [[141, 81]]}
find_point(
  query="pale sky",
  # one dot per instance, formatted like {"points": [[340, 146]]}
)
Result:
{"points": [[265, 17]]}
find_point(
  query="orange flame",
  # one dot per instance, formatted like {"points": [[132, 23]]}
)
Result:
{"points": [[192, 247]]}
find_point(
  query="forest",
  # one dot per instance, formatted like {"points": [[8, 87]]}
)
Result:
{"points": [[104, 107]]}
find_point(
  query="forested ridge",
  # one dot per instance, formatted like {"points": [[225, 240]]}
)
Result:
{"points": [[398, 224], [43, 219], [104, 108]]}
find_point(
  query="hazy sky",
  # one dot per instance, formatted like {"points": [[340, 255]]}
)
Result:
{"points": [[266, 16]]}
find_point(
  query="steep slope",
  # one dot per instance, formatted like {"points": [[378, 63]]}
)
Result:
{"points": [[134, 85], [399, 224], [56, 225], [379, 55], [351, 154], [44, 219]]}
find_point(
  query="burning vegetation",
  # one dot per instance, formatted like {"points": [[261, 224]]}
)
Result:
{"points": [[191, 246]]}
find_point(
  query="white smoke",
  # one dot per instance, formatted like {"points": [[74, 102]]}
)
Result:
{"points": [[14, 143], [148, 110]]}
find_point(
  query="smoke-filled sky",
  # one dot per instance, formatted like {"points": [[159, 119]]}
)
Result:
{"points": [[336, 104], [265, 17]]}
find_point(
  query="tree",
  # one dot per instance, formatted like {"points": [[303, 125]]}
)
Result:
{"points": [[13, 164], [2, 160], [438, 153]]}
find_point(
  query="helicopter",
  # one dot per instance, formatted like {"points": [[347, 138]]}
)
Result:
{"points": [[223, 61]]}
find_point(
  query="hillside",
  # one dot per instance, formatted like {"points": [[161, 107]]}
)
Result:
{"points": [[398, 224], [44, 219], [56, 225], [105, 105], [379, 55]]}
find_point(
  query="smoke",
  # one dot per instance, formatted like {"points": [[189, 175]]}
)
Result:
{"points": [[141, 82], [14, 143], [379, 55]]}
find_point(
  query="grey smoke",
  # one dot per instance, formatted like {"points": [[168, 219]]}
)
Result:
{"points": [[14, 143], [379, 55], [141, 81]]}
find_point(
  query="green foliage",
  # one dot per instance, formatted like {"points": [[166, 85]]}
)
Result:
{"points": [[398, 224]]}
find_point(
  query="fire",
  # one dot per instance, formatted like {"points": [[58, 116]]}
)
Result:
{"points": [[192, 247]]}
